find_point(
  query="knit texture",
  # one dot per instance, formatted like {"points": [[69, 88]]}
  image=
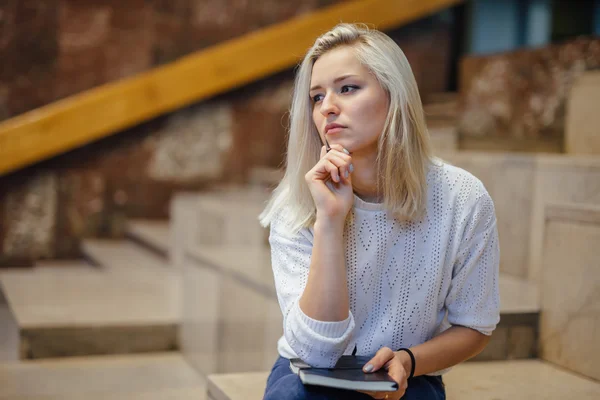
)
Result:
{"points": [[408, 281]]}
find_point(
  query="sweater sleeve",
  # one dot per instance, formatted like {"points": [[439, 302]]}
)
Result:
{"points": [[473, 300], [318, 343]]}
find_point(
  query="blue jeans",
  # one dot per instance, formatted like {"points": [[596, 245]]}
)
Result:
{"points": [[283, 384]]}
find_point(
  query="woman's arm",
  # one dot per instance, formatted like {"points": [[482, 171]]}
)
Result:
{"points": [[325, 297], [453, 346], [309, 268]]}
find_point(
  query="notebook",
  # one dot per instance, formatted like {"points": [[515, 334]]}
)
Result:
{"points": [[347, 374]]}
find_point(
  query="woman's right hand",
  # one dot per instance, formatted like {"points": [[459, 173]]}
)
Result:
{"points": [[334, 199]]}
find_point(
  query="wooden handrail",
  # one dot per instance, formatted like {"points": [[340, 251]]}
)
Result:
{"points": [[102, 111]]}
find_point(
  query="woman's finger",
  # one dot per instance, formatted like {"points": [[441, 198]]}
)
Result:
{"points": [[382, 356], [396, 370], [323, 152], [339, 162], [341, 148], [332, 169]]}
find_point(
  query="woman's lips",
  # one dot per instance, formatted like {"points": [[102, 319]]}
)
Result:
{"points": [[337, 129]]}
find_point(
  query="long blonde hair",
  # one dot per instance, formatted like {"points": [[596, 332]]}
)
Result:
{"points": [[403, 147]]}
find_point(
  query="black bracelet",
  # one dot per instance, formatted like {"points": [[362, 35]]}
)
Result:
{"points": [[412, 359]]}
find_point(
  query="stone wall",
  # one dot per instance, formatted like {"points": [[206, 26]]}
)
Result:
{"points": [[570, 289], [51, 49], [582, 130], [57, 48], [516, 101]]}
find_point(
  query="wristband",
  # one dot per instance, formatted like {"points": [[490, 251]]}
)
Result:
{"points": [[412, 359]]}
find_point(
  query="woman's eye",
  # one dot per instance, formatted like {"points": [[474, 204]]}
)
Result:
{"points": [[316, 98], [349, 88]]}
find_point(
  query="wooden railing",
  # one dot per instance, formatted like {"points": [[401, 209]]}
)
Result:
{"points": [[100, 112]]}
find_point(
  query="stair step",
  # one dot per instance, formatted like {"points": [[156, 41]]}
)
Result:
{"points": [[265, 176], [9, 331], [517, 379], [129, 305], [495, 380], [152, 234], [123, 256], [135, 377]]}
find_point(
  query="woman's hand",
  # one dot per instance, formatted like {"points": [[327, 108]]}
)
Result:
{"points": [[395, 365], [334, 200]]}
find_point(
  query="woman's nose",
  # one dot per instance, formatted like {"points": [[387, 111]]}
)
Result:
{"points": [[329, 105]]}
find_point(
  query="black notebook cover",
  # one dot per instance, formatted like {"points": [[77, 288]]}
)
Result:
{"points": [[347, 374]]}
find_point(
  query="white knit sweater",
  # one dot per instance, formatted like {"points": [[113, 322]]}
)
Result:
{"points": [[407, 281]]}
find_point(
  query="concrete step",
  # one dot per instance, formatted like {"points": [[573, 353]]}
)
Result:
{"points": [[121, 256], [132, 377], [130, 304], [152, 234], [228, 216], [265, 176], [448, 110], [9, 331], [495, 380], [248, 269], [444, 137]]}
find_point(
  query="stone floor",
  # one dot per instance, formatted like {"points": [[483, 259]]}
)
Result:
{"points": [[498, 380], [67, 309], [132, 377], [132, 288], [153, 234]]}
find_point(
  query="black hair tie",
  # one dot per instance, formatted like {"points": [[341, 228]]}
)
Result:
{"points": [[412, 359]]}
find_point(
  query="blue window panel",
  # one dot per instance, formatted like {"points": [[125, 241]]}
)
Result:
{"points": [[494, 26], [539, 23], [597, 17]]}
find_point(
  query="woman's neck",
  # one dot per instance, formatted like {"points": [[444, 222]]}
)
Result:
{"points": [[364, 179]]}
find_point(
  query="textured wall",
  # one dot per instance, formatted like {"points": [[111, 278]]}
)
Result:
{"points": [[60, 47], [51, 49], [516, 101]]}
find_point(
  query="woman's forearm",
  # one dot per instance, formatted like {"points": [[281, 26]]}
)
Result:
{"points": [[325, 297], [450, 348]]}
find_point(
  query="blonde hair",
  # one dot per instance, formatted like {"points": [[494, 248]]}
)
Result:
{"points": [[403, 147]]}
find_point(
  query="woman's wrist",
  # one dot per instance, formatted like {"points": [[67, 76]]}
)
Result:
{"points": [[406, 361], [329, 224]]}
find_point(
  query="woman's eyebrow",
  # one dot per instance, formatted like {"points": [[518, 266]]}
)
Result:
{"points": [[336, 80]]}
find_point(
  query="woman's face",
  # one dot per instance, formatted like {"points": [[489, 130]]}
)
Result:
{"points": [[349, 104]]}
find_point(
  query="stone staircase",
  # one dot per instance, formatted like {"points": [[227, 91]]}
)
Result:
{"points": [[127, 303], [101, 309], [102, 327]]}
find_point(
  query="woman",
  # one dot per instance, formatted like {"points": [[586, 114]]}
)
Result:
{"points": [[376, 245]]}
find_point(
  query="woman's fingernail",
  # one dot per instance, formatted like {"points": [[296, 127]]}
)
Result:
{"points": [[346, 151], [368, 367], [351, 168], [346, 174]]}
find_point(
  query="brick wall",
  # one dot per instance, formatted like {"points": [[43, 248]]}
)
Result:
{"points": [[516, 101], [57, 48]]}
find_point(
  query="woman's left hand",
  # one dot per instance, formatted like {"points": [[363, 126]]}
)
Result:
{"points": [[393, 364]]}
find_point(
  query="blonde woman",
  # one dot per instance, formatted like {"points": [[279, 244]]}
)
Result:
{"points": [[377, 247]]}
